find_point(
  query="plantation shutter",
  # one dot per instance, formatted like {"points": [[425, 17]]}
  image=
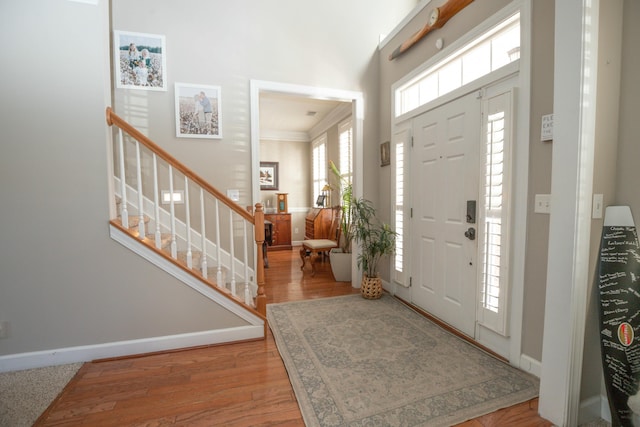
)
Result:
{"points": [[345, 130], [319, 165], [400, 147], [494, 227]]}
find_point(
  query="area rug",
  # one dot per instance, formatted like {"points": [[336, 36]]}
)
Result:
{"points": [[356, 362]]}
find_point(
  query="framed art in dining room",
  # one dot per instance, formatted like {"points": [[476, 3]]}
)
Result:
{"points": [[197, 111], [269, 176], [140, 61]]}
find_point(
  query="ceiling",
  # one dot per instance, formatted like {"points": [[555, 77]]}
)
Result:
{"points": [[290, 117]]}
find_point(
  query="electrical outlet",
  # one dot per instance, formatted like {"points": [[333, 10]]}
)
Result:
{"points": [[542, 203], [296, 230], [4, 329]]}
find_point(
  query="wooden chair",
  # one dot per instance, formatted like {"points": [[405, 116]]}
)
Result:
{"points": [[316, 248]]}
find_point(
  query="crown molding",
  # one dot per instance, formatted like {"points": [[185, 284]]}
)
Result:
{"points": [[284, 135], [337, 114]]}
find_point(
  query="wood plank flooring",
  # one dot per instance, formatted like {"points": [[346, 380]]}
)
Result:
{"points": [[243, 384]]}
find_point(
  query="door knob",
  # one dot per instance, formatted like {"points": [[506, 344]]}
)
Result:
{"points": [[470, 233]]}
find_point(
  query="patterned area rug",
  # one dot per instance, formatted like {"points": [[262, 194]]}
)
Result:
{"points": [[357, 362]]}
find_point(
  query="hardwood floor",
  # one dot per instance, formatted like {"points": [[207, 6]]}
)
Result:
{"points": [[242, 384]]}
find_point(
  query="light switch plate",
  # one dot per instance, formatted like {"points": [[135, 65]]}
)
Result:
{"points": [[4, 329], [542, 203], [546, 132], [233, 194], [597, 208]]}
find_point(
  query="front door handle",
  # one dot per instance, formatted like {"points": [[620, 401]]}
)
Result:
{"points": [[470, 233]]}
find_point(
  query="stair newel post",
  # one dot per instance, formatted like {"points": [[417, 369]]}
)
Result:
{"points": [[156, 202], [124, 213], [203, 260], [232, 253], [261, 298], [174, 244], [141, 230], [218, 250], [188, 212]]}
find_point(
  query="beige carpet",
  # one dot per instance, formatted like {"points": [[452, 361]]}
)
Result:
{"points": [[24, 395], [356, 362]]}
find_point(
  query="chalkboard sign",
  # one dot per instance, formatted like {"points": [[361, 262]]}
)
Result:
{"points": [[618, 282]]}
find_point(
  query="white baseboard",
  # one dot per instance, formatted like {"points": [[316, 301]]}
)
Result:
{"points": [[531, 365], [593, 408], [62, 356]]}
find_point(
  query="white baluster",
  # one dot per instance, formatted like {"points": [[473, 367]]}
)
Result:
{"points": [[186, 202], [124, 213], [248, 299], [218, 250], [232, 254], [174, 244], [141, 230], [203, 261], [156, 202], [246, 253]]}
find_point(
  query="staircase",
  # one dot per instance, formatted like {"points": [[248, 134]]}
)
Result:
{"points": [[176, 220]]}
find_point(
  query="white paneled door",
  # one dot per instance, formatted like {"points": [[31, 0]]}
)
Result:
{"points": [[445, 173]]}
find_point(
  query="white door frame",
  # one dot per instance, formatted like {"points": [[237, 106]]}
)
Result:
{"points": [[520, 175], [574, 101], [357, 111]]}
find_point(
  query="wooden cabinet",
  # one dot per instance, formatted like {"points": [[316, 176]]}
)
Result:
{"points": [[318, 223], [281, 231]]}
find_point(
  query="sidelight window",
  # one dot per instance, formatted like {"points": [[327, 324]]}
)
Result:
{"points": [[495, 195]]}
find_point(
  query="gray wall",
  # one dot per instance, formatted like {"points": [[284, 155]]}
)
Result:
{"points": [[628, 173], [540, 157], [63, 281], [328, 44]]}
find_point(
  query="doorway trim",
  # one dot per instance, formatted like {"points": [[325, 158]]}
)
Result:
{"points": [[520, 161], [357, 111]]}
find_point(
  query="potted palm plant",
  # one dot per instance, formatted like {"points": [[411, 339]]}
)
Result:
{"points": [[376, 240], [340, 258]]}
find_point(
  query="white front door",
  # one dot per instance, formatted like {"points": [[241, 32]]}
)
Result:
{"points": [[445, 173]]}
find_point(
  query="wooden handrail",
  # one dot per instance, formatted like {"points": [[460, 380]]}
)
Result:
{"points": [[257, 218], [113, 118]]}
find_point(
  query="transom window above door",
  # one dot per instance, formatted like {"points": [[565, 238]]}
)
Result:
{"points": [[493, 50]]}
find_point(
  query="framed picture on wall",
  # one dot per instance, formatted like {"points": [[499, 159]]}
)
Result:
{"points": [[198, 111], [140, 61], [269, 176], [385, 153]]}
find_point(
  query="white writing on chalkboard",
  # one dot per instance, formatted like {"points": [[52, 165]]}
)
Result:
{"points": [[619, 296]]}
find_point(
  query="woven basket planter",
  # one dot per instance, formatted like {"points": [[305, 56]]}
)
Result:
{"points": [[371, 287]]}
